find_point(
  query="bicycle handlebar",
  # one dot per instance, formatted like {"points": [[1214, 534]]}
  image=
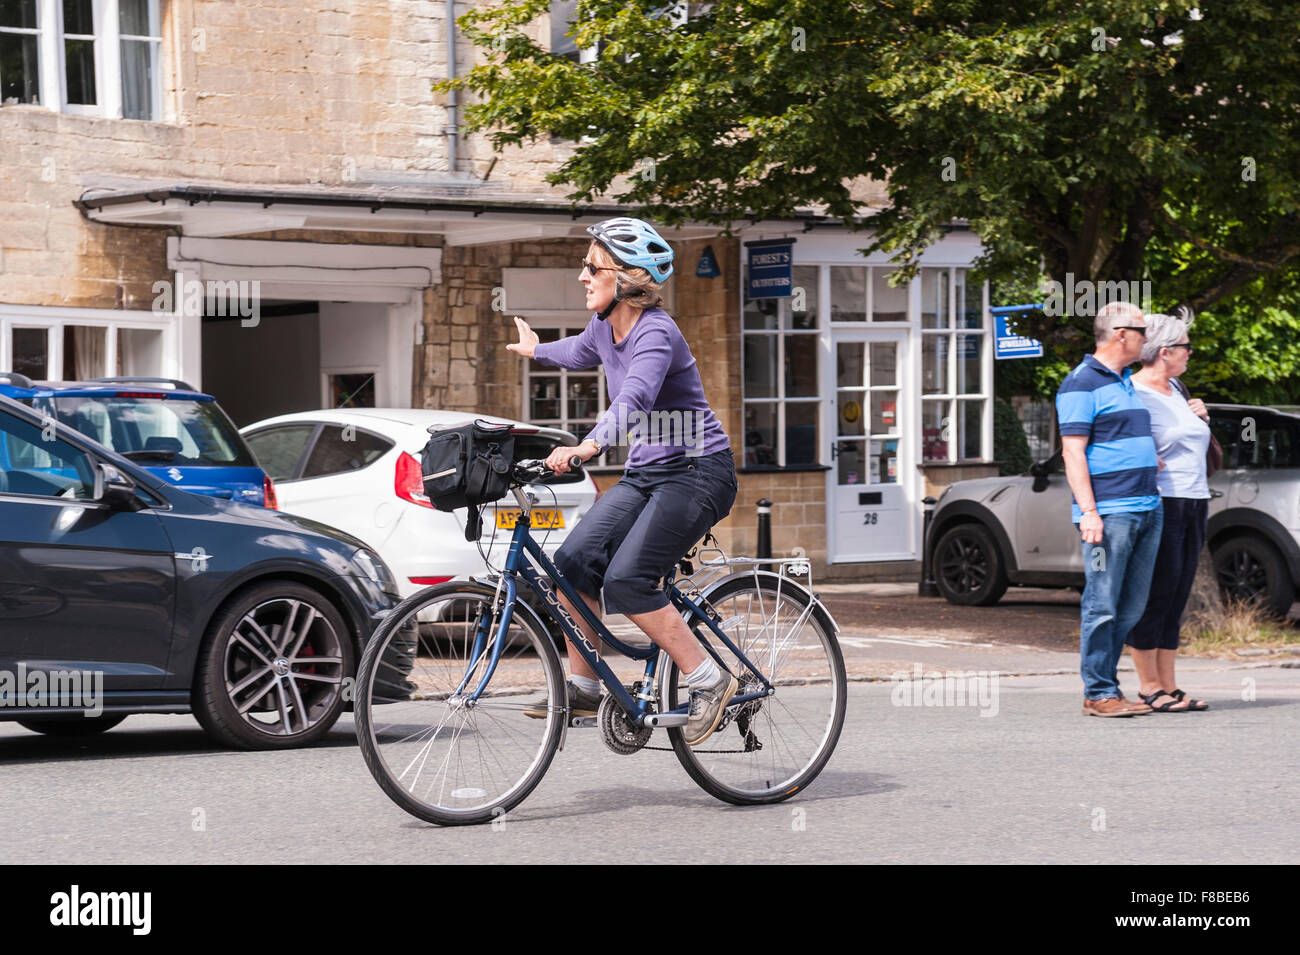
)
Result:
{"points": [[532, 470]]}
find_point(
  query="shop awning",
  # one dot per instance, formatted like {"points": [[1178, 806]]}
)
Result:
{"points": [[462, 214]]}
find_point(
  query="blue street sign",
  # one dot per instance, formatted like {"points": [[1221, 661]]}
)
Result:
{"points": [[770, 264], [1009, 344]]}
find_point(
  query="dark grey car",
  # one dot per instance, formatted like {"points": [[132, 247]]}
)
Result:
{"points": [[142, 597]]}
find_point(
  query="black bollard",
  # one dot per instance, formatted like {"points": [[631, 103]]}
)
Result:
{"points": [[764, 528], [927, 587]]}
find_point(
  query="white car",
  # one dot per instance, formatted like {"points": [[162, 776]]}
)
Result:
{"points": [[358, 469]]}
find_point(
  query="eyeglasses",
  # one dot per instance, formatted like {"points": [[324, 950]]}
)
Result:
{"points": [[592, 268], [1186, 345], [1140, 329]]}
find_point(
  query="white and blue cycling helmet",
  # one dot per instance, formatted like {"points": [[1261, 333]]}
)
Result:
{"points": [[635, 243]]}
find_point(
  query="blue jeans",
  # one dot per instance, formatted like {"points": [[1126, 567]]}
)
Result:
{"points": [[1118, 572]]}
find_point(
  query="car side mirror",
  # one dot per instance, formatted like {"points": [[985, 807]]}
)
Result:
{"points": [[1040, 471], [115, 489]]}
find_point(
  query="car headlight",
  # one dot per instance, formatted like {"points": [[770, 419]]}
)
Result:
{"points": [[372, 567]]}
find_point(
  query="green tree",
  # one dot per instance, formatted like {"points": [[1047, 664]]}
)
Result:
{"points": [[1070, 134]]}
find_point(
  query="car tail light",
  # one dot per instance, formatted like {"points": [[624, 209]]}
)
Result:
{"points": [[428, 581], [268, 494], [409, 482]]}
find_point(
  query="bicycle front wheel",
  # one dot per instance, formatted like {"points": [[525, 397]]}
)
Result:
{"points": [[446, 742], [769, 748]]}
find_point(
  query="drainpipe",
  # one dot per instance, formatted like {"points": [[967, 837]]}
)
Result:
{"points": [[450, 130]]}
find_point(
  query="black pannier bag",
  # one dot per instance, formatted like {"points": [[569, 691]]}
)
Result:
{"points": [[468, 466]]}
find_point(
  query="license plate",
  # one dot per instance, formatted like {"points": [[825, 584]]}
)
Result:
{"points": [[543, 519]]}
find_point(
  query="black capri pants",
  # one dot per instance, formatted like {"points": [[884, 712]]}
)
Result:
{"points": [[1172, 577], [642, 526]]}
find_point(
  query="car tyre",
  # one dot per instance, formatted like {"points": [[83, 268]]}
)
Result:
{"points": [[273, 668], [1250, 570], [968, 567], [68, 727]]}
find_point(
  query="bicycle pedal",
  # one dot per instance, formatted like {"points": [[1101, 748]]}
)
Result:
{"points": [[579, 721]]}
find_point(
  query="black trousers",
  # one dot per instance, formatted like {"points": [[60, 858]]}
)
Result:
{"points": [[1171, 581], [642, 526]]}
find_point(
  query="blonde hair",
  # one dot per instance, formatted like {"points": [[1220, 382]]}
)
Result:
{"points": [[633, 285]]}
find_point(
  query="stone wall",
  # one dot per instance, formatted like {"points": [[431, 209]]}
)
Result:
{"points": [[279, 92]]}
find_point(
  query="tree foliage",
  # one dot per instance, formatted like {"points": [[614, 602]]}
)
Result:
{"points": [[1074, 136]]}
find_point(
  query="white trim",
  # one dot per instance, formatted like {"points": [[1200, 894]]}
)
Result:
{"points": [[311, 270]]}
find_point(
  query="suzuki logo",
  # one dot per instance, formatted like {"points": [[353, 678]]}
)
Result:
{"points": [[174, 474]]}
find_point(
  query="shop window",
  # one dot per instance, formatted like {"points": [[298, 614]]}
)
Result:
{"points": [[861, 293], [106, 65], [569, 400], [780, 347], [954, 392]]}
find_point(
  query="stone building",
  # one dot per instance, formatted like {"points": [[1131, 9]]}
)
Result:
{"points": [[267, 200]]}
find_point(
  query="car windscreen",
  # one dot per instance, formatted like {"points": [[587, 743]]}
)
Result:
{"points": [[154, 431]]}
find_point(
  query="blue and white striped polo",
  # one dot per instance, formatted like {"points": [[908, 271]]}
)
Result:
{"points": [[1095, 402]]}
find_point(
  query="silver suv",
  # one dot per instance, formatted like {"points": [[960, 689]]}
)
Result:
{"points": [[990, 533]]}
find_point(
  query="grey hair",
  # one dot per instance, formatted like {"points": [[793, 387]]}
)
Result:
{"points": [[1111, 314], [634, 285], [1162, 331]]}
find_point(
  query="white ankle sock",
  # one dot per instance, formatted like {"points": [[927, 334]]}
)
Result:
{"points": [[586, 684], [706, 674]]}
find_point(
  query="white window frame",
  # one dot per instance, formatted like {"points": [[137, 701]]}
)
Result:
{"points": [[562, 320], [818, 334], [52, 83], [40, 51], [950, 397], [374, 371], [54, 319]]}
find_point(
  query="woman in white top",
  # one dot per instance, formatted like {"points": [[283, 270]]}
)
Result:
{"points": [[1180, 427]]}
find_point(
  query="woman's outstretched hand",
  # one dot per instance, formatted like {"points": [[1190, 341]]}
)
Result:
{"points": [[527, 339]]}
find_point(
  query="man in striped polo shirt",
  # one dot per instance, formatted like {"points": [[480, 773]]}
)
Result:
{"points": [[1110, 464]]}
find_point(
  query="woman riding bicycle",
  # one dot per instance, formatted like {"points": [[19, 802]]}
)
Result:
{"points": [[680, 478]]}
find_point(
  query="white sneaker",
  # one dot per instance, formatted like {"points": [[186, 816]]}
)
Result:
{"points": [[706, 709]]}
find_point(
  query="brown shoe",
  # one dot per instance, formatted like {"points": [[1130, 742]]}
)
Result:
{"points": [[1111, 706]]}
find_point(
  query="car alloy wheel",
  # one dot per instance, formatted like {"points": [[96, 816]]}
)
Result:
{"points": [[1251, 571], [968, 567], [273, 669]]}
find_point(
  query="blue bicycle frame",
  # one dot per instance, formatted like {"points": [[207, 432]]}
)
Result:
{"points": [[637, 708]]}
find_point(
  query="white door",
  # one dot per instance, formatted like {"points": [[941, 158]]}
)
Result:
{"points": [[870, 512]]}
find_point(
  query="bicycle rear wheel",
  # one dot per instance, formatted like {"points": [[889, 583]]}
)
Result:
{"points": [[438, 753], [770, 748]]}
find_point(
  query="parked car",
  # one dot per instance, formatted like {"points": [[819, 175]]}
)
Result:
{"points": [[991, 533], [171, 602], [176, 433], [359, 470]]}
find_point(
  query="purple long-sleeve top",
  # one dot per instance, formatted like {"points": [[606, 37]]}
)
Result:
{"points": [[658, 406]]}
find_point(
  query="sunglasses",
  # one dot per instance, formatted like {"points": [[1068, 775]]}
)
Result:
{"points": [[592, 268], [1140, 329], [1186, 345]]}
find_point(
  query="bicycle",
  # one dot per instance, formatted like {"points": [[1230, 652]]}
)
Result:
{"points": [[444, 682]]}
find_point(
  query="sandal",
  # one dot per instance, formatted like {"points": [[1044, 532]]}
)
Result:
{"points": [[1150, 698], [1192, 704]]}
